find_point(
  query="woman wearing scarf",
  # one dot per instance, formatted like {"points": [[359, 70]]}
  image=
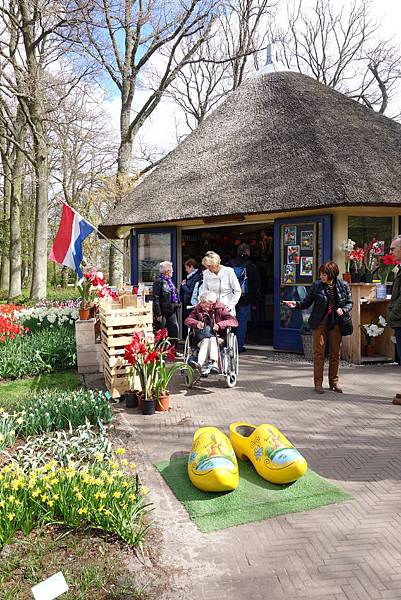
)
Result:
{"points": [[331, 298], [165, 301]]}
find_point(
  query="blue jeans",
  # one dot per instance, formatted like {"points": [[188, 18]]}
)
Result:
{"points": [[397, 331], [243, 313]]}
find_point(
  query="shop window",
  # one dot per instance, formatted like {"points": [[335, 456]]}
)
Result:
{"points": [[363, 229], [153, 248]]}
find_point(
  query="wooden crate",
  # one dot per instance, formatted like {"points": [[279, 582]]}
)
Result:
{"points": [[117, 325]]}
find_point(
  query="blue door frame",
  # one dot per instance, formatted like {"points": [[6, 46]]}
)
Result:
{"points": [[134, 249], [289, 338]]}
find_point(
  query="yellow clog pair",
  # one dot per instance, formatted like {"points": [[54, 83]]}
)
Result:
{"points": [[213, 467]]}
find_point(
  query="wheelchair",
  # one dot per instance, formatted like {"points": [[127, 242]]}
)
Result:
{"points": [[228, 359]]}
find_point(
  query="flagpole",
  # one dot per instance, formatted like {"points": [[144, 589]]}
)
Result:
{"points": [[95, 228]]}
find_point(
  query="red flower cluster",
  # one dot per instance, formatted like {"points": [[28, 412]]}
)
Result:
{"points": [[96, 278], [357, 254], [388, 259], [106, 292], [9, 326]]}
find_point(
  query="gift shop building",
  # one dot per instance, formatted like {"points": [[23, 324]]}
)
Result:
{"points": [[287, 165]]}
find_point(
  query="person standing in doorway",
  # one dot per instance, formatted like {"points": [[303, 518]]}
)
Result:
{"points": [[331, 298], [394, 309], [221, 280], [194, 277], [165, 301], [249, 280]]}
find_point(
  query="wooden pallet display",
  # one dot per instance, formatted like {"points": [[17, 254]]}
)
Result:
{"points": [[117, 326]]}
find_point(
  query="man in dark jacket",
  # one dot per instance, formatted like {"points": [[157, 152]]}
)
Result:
{"points": [[394, 310], [248, 277]]}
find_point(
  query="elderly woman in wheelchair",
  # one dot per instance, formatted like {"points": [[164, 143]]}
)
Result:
{"points": [[209, 320]]}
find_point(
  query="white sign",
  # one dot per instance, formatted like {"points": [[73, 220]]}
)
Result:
{"points": [[50, 588]]}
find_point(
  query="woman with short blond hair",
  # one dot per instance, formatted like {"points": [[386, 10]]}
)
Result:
{"points": [[221, 280]]}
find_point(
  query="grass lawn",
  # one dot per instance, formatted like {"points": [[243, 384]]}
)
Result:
{"points": [[93, 567], [13, 393]]}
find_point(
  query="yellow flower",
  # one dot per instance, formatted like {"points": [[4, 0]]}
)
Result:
{"points": [[101, 508], [124, 506], [99, 457], [7, 469], [36, 493], [10, 516], [54, 481], [144, 491], [117, 495], [125, 462], [79, 496], [132, 466], [44, 497], [125, 484], [56, 497], [50, 503], [20, 420], [132, 497], [82, 511], [2, 503], [114, 465], [102, 495], [1, 410], [11, 499], [1, 437], [120, 451]]}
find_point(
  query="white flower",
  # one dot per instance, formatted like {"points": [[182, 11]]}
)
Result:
{"points": [[347, 245], [382, 321]]}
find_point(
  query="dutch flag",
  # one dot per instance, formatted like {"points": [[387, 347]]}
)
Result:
{"points": [[67, 247]]}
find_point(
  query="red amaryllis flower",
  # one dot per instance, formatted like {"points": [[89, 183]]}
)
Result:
{"points": [[171, 353], [161, 334], [130, 355], [388, 259], [151, 357]]}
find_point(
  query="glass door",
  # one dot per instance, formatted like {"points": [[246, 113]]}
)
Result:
{"points": [[301, 245], [149, 247]]}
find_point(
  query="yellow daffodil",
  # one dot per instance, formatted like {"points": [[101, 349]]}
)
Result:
{"points": [[10, 516], [132, 497], [120, 451], [78, 496], [144, 491], [83, 511], [117, 495]]}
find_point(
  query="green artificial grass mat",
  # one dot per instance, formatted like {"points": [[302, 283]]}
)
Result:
{"points": [[254, 499], [13, 393]]}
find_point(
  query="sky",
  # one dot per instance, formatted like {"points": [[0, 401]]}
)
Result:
{"points": [[160, 131]]}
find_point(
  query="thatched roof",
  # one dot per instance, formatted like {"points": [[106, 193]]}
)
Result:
{"points": [[281, 142]]}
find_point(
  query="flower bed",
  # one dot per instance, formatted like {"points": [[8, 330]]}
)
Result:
{"points": [[42, 352], [51, 410], [48, 314]]}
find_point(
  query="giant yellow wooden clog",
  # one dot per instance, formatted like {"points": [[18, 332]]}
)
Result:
{"points": [[273, 456], [212, 464]]}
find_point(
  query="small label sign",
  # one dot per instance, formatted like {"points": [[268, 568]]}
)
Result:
{"points": [[50, 588]]}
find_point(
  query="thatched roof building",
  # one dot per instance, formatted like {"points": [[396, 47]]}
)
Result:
{"points": [[281, 142]]}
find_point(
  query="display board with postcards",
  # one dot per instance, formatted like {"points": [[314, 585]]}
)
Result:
{"points": [[298, 254]]}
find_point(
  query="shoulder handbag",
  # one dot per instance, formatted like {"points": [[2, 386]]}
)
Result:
{"points": [[201, 334], [345, 324]]}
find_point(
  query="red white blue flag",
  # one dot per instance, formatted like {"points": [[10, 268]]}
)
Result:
{"points": [[67, 247]]}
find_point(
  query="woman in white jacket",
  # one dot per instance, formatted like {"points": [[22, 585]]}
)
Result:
{"points": [[221, 280]]}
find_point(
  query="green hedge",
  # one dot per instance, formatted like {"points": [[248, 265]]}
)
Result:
{"points": [[41, 352]]}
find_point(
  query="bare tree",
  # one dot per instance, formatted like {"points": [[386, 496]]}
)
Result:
{"points": [[341, 47], [127, 39], [241, 32]]}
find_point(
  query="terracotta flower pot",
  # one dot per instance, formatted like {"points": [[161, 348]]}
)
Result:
{"points": [[84, 314], [163, 403]]}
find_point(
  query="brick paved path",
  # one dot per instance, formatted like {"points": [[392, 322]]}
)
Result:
{"points": [[351, 550]]}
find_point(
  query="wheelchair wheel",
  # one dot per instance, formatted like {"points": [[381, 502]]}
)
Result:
{"points": [[232, 357]]}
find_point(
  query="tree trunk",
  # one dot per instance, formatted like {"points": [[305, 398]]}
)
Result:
{"points": [[39, 267], [18, 171], [5, 247]]}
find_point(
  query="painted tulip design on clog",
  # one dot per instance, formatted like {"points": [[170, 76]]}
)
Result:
{"points": [[212, 464], [273, 456]]}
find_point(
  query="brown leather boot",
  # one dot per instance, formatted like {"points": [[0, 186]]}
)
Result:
{"points": [[335, 388], [397, 399], [319, 389]]}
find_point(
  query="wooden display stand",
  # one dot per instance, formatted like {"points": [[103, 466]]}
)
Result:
{"points": [[118, 322], [367, 308], [89, 349]]}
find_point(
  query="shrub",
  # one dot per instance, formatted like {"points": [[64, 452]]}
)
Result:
{"points": [[42, 352]]}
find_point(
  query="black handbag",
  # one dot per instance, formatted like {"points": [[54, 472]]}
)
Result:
{"points": [[202, 334], [345, 324]]}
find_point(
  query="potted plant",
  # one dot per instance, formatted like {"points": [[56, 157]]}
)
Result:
{"points": [[372, 330], [148, 356], [87, 294], [164, 375], [347, 247], [386, 266], [356, 262]]}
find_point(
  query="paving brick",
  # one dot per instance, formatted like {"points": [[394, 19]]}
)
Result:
{"points": [[347, 551]]}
